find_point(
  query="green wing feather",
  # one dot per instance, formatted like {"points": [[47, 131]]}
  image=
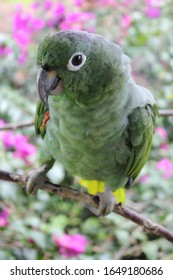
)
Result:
{"points": [[140, 132], [41, 110]]}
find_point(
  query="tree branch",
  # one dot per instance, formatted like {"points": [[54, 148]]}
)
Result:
{"points": [[14, 126], [87, 199], [165, 113]]}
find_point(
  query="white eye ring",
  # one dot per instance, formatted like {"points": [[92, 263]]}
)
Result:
{"points": [[76, 61]]}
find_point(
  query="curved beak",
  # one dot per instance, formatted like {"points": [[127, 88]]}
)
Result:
{"points": [[46, 83]]}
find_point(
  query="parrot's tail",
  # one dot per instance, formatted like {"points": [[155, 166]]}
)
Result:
{"points": [[94, 187]]}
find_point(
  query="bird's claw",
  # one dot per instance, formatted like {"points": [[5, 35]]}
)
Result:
{"points": [[106, 202], [35, 179]]}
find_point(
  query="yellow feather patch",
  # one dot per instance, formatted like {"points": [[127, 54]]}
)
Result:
{"points": [[120, 195], [94, 187]]}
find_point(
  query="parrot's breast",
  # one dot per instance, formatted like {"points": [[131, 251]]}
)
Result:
{"points": [[85, 141]]}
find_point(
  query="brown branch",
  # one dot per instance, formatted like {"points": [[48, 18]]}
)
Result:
{"points": [[165, 113], [87, 199], [13, 126]]}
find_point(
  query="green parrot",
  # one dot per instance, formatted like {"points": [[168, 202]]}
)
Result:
{"points": [[92, 116]]}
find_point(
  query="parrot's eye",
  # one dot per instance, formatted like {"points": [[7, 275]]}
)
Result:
{"points": [[76, 61]]}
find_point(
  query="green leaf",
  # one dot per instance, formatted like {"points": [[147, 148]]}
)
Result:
{"points": [[38, 237]]}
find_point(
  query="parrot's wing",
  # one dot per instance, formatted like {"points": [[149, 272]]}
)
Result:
{"points": [[41, 118], [140, 132]]}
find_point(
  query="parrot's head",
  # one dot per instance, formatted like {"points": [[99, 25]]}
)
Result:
{"points": [[82, 66]]}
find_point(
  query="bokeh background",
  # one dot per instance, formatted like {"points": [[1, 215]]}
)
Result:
{"points": [[45, 227]]}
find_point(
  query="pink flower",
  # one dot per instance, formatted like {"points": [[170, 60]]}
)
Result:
{"points": [[143, 179], [152, 8], [4, 218], [152, 2], [23, 148], [59, 9], [161, 131], [23, 56], [35, 6], [18, 143], [78, 21], [164, 146], [71, 245], [2, 123], [79, 3], [126, 21], [166, 166], [8, 139], [127, 2], [48, 5], [25, 25], [96, 3], [152, 12], [57, 15], [4, 50], [36, 24], [109, 2]]}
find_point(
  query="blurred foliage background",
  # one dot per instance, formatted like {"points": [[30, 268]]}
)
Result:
{"points": [[45, 227]]}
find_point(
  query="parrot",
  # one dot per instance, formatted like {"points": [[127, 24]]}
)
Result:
{"points": [[93, 117]]}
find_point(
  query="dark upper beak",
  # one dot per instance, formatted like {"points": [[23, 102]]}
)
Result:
{"points": [[46, 82]]}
